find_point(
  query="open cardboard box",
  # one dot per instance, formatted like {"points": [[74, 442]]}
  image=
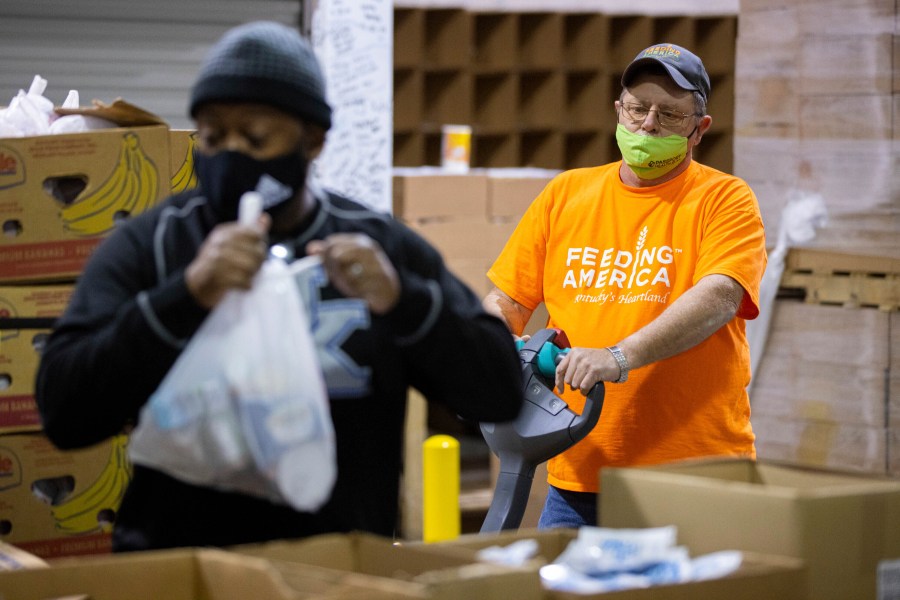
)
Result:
{"points": [[444, 573], [60, 195], [841, 524], [188, 574], [760, 575]]}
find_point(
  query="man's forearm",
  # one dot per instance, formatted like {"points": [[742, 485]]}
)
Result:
{"points": [[508, 310], [695, 316]]}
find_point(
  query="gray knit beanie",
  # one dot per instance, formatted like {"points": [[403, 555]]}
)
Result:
{"points": [[268, 63]]}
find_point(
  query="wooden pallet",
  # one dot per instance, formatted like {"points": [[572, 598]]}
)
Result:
{"points": [[825, 277]]}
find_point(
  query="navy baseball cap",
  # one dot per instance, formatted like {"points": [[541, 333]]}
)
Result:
{"points": [[683, 66]]}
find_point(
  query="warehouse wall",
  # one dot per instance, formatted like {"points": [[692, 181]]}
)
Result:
{"points": [[146, 52]]}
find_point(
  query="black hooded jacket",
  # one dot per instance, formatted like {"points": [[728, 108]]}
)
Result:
{"points": [[131, 315]]}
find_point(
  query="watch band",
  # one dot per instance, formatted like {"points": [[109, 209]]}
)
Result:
{"points": [[622, 362]]}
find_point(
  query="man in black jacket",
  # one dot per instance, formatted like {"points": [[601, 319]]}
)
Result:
{"points": [[386, 313]]}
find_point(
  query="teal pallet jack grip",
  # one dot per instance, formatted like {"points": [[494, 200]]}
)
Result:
{"points": [[545, 427]]}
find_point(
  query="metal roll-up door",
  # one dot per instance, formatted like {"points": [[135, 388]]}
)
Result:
{"points": [[145, 52]]}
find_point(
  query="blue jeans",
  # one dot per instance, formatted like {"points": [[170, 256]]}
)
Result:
{"points": [[568, 509]]}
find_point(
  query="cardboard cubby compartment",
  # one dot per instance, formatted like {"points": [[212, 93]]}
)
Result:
{"points": [[540, 40], [538, 88], [585, 37], [496, 101], [409, 37], [495, 40], [447, 38]]}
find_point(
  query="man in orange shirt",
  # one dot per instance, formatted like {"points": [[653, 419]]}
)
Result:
{"points": [[650, 265]]}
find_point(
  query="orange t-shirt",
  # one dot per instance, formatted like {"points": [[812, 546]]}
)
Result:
{"points": [[606, 259]]}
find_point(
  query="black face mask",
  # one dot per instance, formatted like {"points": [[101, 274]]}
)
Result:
{"points": [[226, 175]]}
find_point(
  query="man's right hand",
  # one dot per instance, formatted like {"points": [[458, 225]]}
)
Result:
{"points": [[229, 258]]}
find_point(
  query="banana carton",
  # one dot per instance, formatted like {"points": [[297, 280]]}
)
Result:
{"points": [[27, 314], [60, 195], [55, 503], [181, 148]]}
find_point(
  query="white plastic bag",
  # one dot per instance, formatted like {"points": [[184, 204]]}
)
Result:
{"points": [[244, 408], [29, 113]]}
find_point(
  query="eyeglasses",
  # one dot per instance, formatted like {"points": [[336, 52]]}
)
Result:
{"points": [[667, 118]]}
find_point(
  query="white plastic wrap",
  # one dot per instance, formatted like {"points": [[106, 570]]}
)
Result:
{"points": [[801, 216]]}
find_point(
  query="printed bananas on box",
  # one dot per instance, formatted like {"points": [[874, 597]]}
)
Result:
{"points": [[186, 177], [131, 188], [88, 510]]}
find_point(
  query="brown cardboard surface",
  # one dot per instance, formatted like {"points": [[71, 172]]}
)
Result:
{"points": [[431, 195], [841, 524], [55, 503], [472, 272], [801, 377], [445, 572], [188, 574], [510, 197], [760, 575], [835, 60], [836, 116], [20, 346], [50, 235], [893, 404], [822, 443], [465, 237]]}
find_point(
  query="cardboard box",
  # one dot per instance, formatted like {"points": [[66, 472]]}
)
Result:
{"points": [[472, 272], [187, 574], [60, 195], [800, 376], [426, 194], [55, 503], [26, 317], [444, 572], [510, 194], [760, 575], [465, 238], [181, 154], [841, 524], [821, 443]]}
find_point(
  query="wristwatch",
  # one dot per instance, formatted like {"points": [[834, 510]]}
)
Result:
{"points": [[622, 362]]}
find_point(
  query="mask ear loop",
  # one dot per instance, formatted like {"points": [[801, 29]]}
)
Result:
{"points": [[694, 130]]}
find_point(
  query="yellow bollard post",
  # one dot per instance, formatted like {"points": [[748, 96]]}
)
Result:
{"points": [[440, 488]]}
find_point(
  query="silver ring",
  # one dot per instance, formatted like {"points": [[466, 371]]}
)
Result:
{"points": [[355, 270]]}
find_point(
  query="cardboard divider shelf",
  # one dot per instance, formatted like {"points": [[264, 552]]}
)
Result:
{"points": [[508, 74]]}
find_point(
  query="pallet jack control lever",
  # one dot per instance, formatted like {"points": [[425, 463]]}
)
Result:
{"points": [[545, 427]]}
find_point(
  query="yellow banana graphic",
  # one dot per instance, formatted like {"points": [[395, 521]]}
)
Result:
{"points": [[88, 510], [186, 178], [104, 197], [149, 182], [131, 188]]}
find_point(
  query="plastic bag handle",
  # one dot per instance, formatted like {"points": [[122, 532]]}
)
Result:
{"points": [[250, 208]]}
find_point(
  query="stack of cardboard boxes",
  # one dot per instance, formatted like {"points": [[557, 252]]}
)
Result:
{"points": [[816, 116], [468, 218], [60, 196]]}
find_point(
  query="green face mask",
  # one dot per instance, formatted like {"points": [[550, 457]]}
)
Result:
{"points": [[648, 156]]}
